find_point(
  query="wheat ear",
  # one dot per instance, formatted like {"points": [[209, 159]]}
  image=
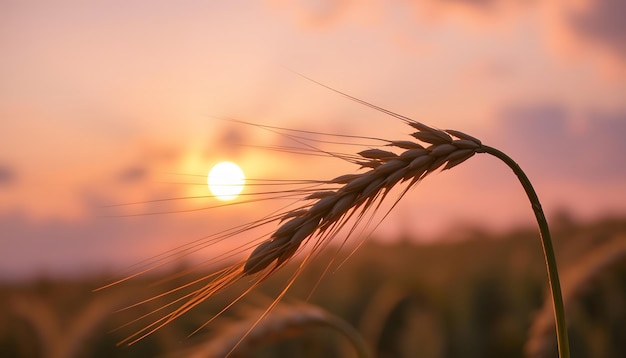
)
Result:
{"points": [[360, 191], [352, 196], [235, 337], [445, 149]]}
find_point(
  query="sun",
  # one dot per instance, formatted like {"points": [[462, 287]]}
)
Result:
{"points": [[226, 180]]}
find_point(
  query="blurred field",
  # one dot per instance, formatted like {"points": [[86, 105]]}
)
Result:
{"points": [[477, 297]]}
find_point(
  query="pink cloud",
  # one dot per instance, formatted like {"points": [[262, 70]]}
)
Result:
{"points": [[601, 22], [8, 176], [585, 153]]}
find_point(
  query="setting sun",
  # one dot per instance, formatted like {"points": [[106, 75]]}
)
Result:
{"points": [[226, 180]]}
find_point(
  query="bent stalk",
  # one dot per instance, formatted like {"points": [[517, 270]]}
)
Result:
{"points": [[329, 206], [548, 250]]}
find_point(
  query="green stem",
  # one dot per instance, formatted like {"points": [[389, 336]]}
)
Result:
{"points": [[548, 250]]}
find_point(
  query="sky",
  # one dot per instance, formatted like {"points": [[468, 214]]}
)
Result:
{"points": [[113, 102]]}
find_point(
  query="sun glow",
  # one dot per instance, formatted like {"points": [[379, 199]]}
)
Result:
{"points": [[226, 180]]}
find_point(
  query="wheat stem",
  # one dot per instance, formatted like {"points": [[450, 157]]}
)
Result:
{"points": [[548, 250], [358, 343]]}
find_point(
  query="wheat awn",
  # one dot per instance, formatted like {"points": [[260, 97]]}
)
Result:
{"points": [[351, 197]]}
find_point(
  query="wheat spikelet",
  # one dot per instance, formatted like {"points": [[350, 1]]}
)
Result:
{"points": [[325, 212], [416, 312], [344, 199], [234, 337], [360, 191]]}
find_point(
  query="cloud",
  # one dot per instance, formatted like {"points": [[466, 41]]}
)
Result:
{"points": [[605, 148], [231, 139], [7, 176], [601, 22], [317, 13], [133, 174], [33, 247], [593, 28], [549, 140]]}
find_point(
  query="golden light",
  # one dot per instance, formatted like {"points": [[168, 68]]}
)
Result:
{"points": [[226, 180]]}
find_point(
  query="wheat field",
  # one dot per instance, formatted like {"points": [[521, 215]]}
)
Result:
{"points": [[405, 300]]}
